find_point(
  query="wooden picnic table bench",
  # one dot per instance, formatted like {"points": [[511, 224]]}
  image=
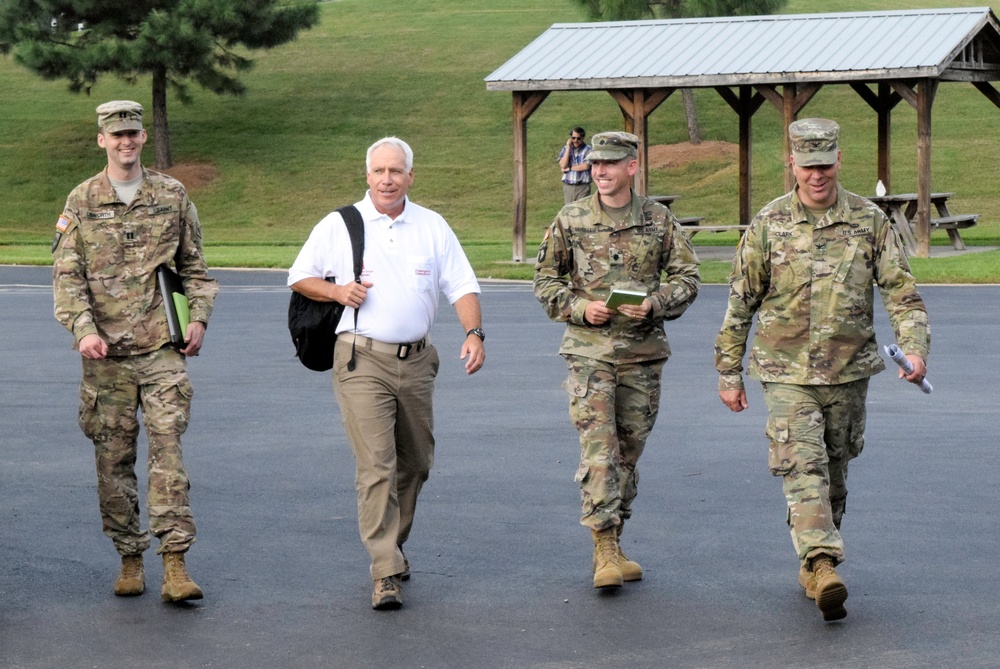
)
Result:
{"points": [[902, 209], [692, 224]]}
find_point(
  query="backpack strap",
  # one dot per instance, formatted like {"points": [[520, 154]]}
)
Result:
{"points": [[356, 229]]}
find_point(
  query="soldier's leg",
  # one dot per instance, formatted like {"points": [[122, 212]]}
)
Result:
{"points": [[166, 406], [845, 438], [798, 454], [591, 387], [637, 400], [108, 405]]}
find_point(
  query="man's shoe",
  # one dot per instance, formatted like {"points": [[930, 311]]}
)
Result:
{"points": [[177, 585], [388, 594], [132, 579], [830, 589], [607, 568]]}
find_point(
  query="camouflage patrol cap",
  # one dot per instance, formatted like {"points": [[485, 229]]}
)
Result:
{"points": [[814, 141], [613, 146], [119, 116]]}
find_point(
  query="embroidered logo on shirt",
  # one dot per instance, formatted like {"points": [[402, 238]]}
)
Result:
{"points": [[100, 215], [161, 210], [854, 231], [62, 223]]}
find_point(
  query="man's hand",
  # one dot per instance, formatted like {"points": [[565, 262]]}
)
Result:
{"points": [[93, 347], [474, 354], [194, 336], [736, 400], [597, 314], [354, 293], [919, 370], [637, 311]]}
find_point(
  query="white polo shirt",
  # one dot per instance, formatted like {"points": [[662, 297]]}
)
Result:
{"points": [[408, 260]]}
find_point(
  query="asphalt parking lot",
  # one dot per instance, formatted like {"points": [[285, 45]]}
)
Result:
{"points": [[501, 565]]}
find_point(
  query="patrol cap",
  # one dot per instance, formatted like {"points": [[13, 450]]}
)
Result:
{"points": [[814, 141], [613, 146], [119, 116]]}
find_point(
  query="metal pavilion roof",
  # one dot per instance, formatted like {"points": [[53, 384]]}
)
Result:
{"points": [[961, 44]]}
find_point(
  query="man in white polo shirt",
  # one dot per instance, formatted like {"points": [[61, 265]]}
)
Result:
{"points": [[411, 255]]}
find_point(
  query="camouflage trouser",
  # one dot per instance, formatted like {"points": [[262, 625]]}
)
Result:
{"points": [[614, 408], [815, 431], [111, 393]]}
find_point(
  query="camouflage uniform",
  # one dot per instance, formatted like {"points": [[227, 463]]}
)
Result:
{"points": [[614, 369], [811, 284], [105, 258]]}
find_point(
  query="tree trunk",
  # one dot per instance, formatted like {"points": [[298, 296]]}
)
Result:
{"points": [[694, 134], [160, 127]]}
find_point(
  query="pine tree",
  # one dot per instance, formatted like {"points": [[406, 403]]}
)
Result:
{"points": [[175, 42]]}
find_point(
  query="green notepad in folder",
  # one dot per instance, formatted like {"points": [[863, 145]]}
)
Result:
{"points": [[618, 297], [175, 302]]}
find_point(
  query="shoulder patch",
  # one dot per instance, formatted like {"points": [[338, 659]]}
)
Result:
{"points": [[62, 223]]}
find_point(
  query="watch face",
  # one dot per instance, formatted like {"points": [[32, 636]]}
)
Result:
{"points": [[478, 332]]}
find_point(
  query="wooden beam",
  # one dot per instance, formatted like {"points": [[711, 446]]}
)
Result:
{"points": [[987, 89], [925, 102], [905, 90], [525, 104], [636, 105]]}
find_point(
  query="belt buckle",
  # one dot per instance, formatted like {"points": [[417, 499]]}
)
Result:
{"points": [[403, 351]]}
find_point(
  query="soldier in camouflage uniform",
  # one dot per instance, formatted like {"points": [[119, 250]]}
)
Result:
{"points": [[116, 228], [614, 239], [806, 266]]}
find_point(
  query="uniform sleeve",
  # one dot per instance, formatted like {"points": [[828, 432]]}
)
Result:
{"points": [[749, 281], [69, 280], [191, 266], [552, 270], [680, 287], [905, 306]]}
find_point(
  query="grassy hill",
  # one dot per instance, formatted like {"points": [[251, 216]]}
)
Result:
{"points": [[265, 167]]}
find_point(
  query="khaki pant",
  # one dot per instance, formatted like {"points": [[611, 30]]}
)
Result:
{"points": [[574, 192], [815, 431], [388, 414], [111, 393]]}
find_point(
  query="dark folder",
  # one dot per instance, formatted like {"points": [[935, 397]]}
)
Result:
{"points": [[175, 302]]}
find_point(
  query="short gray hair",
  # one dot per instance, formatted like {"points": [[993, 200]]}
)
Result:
{"points": [[390, 141]]}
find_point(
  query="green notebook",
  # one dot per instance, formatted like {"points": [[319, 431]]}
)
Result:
{"points": [[175, 302], [619, 297]]}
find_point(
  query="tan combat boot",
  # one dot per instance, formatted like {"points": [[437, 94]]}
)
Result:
{"points": [[177, 585], [631, 570], [807, 581], [829, 589], [131, 581], [607, 568]]}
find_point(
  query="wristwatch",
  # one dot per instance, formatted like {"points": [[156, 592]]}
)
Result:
{"points": [[478, 332]]}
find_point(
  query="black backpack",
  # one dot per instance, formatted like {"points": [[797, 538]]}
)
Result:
{"points": [[312, 324]]}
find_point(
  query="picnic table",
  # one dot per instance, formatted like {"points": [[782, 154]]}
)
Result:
{"points": [[692, 224], [902, 209]]}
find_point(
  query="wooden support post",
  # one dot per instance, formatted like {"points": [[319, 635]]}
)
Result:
{"points": [[925, 102], [525, 105]]}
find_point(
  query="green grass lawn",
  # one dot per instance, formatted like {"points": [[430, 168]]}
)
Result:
{"points": [[292, 149]]}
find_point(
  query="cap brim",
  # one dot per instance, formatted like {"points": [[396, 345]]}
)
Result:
{"points": [[611, 156], [122, 126], [811, 158]]}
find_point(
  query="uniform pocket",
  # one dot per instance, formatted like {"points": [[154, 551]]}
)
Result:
{"points": [[88, 417], [780, 457], [576, 384]]}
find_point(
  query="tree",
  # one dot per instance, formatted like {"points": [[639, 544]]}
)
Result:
{"points": [[175, 42], [629, 10]]}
